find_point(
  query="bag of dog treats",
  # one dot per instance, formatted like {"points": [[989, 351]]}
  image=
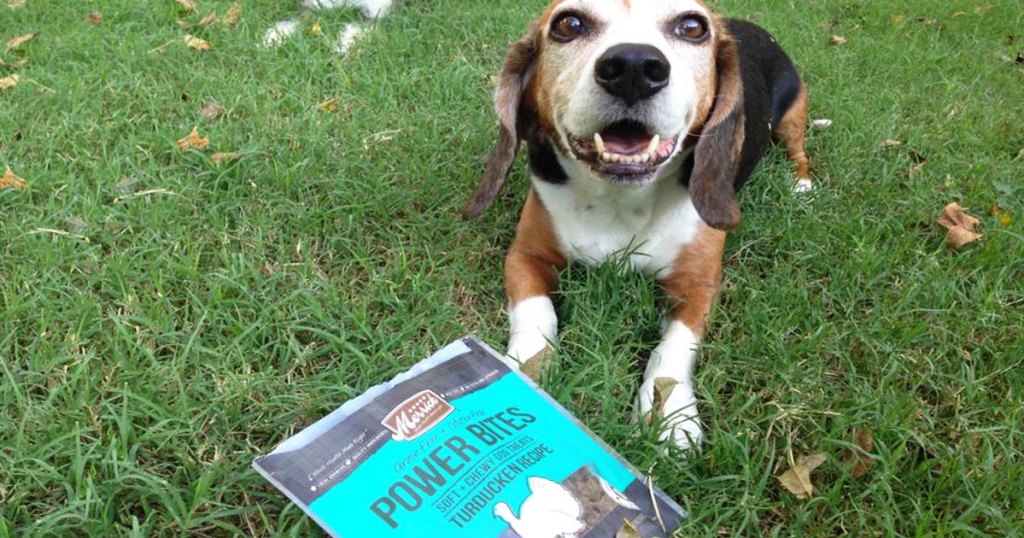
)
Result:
{"points": [[461, 445]]}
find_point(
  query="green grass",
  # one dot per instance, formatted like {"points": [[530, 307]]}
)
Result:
{"points": [[160, 331]]}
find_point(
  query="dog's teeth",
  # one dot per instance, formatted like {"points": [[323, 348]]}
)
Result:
{"points": [[655, 142], [599, 143], [646, 157]]}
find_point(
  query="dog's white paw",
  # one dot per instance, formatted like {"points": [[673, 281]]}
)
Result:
{"points": [[803, 185]]}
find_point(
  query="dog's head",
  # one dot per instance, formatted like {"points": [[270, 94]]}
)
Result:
{"points": [[622, 87]]}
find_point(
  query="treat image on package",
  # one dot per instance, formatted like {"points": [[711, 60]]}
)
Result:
{"points": [[461, 445]]}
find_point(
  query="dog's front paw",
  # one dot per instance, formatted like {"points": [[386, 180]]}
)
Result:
{"points": [[675, 405]]}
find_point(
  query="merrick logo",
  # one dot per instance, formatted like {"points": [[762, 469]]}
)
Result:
{"points": [[415, 416]]}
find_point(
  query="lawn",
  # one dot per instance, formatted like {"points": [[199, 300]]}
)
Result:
{"points": [[166, 316]]}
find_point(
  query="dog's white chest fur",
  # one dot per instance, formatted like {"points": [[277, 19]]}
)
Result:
{"points": [[596, 222]]}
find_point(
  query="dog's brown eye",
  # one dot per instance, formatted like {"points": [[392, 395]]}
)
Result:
{"points": [[567, 27], [691, 28]]}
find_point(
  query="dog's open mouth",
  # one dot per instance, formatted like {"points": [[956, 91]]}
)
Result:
{"points": [[624, 148]]}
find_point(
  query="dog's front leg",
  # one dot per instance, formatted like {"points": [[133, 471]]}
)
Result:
{"points": [[531, 276], [667, 389]]}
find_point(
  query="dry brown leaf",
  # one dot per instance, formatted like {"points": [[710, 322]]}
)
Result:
{"points": [[890, 143], [196, 43], [984, 9], [959, 14], [221, 156], [329, 105], [838, 40], [94, 18], [628, 530], [18, 41], [9, 82], [315, 30], [193, 140], [231, 17], [209, 19], [862, 461], [663, 387], [10, 180], [12, 65], [960, 226], [797, 480], [187, 4], [211, 111], [15, 3]]}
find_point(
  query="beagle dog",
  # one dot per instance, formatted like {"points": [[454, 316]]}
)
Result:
{"points": [[641, 119]]}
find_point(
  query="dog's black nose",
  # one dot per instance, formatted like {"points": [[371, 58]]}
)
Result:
{"points": [[632, 72]]}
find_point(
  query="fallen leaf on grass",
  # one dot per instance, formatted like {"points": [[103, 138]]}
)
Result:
{"points": [[18, 41], [981, 11], [15, 3], [9, 82], [797, 480], [210, 111], [193, 140], [187, 4], [822, 123], [12, 65], [890, 143], [960, 226], [11, 180], [209, 19], [221, 157], [94, 18], [196, 43], [315, 30], [862, 462], [628, 530], [329, 105], [1005, 219], [838, 40], [231, 17]]}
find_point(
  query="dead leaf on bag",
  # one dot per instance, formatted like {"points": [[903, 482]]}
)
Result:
{"points": [[193, 140], [797, 480], [187, 4], [628, 530], [196, 43], [209, 19], [231, 17], [9, 180], [838, 40], [9, 82], [960, 226], [859, 457], [18, 41], [329, 105], [211, 111]]}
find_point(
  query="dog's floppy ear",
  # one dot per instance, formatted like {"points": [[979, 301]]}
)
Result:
{"points": [[508, 100], [717, 155]]}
